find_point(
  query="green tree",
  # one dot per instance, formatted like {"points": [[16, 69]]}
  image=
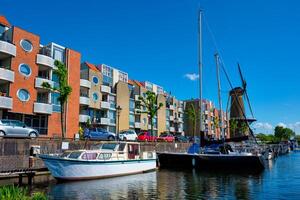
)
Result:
{"points": [[64, 90], [244, 127], [191, 115], [151, 104], [233, 125], [283, 133]]}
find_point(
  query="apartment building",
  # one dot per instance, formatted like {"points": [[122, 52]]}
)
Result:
{"points": [[24, 65], [168, 119], [211, 119], [104, 94]]}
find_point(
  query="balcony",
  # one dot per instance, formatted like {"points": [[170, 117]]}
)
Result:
{"points": [[206, 112], [84, 118], [43, 108], [137, 124], [7, 49], [45, 61], [6, 102], [180, 110], [171, 118], [136, 97], [180, 120], [105, 105], [7, 75], [180, 130], [105, 89], [104, 121], [39, 81], [84, 100], [172, 129], [171, 107], [85, 83], [206, 121]]}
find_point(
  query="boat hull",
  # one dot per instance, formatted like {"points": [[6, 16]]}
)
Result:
{"points": [[70, 170], [206, 161]]}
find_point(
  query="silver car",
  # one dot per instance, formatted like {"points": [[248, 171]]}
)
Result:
{"points": [[16, 128]]}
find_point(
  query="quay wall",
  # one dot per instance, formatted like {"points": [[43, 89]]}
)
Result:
{"points": [[15, 153]]}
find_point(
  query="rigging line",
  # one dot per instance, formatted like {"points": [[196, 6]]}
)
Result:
{"points": [[224, 70]]}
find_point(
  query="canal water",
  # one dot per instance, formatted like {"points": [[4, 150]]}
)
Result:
{"points": [[280, 181]]}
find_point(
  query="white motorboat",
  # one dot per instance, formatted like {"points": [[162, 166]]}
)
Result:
{"points": [[107, 160]]}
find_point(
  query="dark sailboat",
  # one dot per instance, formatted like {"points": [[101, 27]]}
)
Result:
{"points": [[240, 152]]}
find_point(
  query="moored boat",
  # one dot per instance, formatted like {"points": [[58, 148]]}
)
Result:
{"points": [[107, 160]]}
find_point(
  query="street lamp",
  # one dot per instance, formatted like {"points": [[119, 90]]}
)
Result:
{"points": [[119, 109]]}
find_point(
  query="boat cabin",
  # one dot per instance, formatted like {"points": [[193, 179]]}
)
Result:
{"points": [[110, 151]]}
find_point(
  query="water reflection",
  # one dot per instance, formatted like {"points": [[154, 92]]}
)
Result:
{"points": [[128, 187], [280, 181]]}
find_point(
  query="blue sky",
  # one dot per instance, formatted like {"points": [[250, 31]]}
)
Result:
{"points": [[157, 41]]}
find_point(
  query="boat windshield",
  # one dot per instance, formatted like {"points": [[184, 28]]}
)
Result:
{"points": [[75, 154], [108, 146], [65, 154], [89, 156]]}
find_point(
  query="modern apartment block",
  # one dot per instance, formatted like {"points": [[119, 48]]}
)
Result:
{"points": [[211, 119], [24, 65], [99, 86]]}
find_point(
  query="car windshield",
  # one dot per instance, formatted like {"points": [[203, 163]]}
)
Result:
{"points": [[6, 122], [101, 130]]}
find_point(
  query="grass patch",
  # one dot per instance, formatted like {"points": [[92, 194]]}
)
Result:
{"points": [[12, 192]]}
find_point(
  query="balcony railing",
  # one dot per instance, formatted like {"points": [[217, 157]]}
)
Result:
{"points": [[6, 102], [105, 105], [84, 118], [6, 74], [105, 89], [45, 60], [43, 108], [84, 100], [7, 49], [85, 83], [39, 81]]}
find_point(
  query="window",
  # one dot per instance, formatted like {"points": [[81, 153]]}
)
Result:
{"points": [[95, 80], [75, 154], [95, 96], [144, 121], [26, 45], [23, 95], [17, 123], [131, 120], [123, 76], [131, 105], [24, 69], [58, 54]]}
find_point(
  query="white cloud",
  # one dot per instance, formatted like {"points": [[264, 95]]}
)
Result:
{"points": [[295, 125], [264, 126], [282, 124], [192, 76]]}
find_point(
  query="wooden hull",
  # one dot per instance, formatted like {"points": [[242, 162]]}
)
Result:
{"points": [[206, 161], [70, 170]]}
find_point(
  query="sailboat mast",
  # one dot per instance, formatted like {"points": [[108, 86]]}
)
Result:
{"points": [[219, 95], [200, 66]]}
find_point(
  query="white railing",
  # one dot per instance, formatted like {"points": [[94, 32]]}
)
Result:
{"points": [[45, 60], [6, 102], [8, 48], [7, 75], [85, 83], [42, 108]]}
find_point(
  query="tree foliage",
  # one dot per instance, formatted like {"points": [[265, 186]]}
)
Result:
{"points": [[191, 115], [283, 133], [64, 90], [151, 104]]}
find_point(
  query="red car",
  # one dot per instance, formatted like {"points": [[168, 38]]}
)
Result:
{"points": [[146, 136], [166, 137]]}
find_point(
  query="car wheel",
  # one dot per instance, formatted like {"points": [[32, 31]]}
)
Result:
{"points": [[111, 138], [2, 134], [32, 135]]}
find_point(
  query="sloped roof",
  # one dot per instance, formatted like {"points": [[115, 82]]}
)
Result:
{"points": [[92, 66], [4, 21], [138, 83], [131, 82]]}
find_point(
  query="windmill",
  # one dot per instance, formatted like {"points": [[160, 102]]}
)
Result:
{"points": [[238, 117]]}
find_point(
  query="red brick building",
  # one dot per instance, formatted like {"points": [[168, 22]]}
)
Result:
{"points": [[24, 65]]}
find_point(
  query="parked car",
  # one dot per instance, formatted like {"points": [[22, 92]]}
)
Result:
{"points": [[16, 128], [146, 136], [181, 138], [98, 134], [166, 137], [128, 135]]}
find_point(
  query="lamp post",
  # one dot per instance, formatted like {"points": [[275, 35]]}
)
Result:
{"points": [[119, 109]]}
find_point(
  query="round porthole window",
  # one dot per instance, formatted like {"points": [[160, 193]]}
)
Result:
{"points": [[25, 69], [26, 45], [95, 96], [95, 80], [23, 95]]}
